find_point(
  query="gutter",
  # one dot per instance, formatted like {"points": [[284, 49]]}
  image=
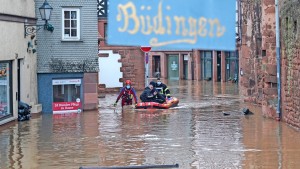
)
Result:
{"points": [[278, 59]]}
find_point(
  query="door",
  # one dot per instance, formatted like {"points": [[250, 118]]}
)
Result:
{"points": [[19, 80], [173, 67], [206, 59], [218, 66], [185, 67], [156, 66], [232, 66]]}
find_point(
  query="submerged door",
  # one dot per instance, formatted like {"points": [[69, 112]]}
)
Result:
{"points": [[206, 59], [173, 67], [185, 67], [156, 66], [218, 66], [232, 66]]}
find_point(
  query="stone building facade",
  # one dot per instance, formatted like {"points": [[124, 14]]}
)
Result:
{"points": [[290, 70], [117, 63], [193, 64], [258, 84], [67, 57], [18, 80], [217, 66]]}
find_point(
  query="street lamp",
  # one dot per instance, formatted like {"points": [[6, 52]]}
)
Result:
{"points": [[45, 11]]}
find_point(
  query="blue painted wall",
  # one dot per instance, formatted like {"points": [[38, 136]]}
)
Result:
{"points": [[45, 90]]}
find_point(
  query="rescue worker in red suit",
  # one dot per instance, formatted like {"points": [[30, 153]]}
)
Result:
{"points": [[127, 94]]}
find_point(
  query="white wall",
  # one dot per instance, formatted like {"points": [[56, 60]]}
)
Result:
{"points": [[18, 7], [109, 69]]}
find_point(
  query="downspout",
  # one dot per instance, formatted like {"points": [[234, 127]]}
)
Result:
{"points": [[279, 115]]}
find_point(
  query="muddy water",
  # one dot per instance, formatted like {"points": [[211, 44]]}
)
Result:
{"points": [[196, 134]]}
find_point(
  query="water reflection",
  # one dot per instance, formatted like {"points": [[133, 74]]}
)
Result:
{"points": [[195, 135]]}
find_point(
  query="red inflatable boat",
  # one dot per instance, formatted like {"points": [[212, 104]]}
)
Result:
{"points": [[154, 105]]}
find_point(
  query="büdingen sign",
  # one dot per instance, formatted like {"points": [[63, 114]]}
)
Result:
{"points": [[201, 24]]}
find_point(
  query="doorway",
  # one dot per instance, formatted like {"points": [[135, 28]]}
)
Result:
{"points": [[232, 66], [206, 62], [156, 67], [218, 66], [185, 67]]}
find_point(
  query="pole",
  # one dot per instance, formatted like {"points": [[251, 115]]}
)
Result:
{"points": [[278, 60], [146, 68], [132, 167]]}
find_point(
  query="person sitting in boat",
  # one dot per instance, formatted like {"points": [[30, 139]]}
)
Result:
{"points": [[150, 94], [162, 89], [127, 94]]}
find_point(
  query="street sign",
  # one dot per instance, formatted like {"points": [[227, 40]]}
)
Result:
{"points": [[146, 48], [169, 24]]}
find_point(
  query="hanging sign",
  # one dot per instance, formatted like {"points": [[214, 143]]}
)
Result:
{"points": [[201, 24]]}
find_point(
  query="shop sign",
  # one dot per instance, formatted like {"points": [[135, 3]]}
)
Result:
{"points": [[66, 81], [200, 24], [66, 107]]}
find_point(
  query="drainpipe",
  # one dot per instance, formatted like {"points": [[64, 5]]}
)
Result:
{"points": [[279, 115]]}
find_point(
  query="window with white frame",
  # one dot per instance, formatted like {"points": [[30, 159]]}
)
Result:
{"points": [[71, 24]]}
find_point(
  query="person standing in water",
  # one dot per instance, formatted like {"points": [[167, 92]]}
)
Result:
{"points": [[127, 94]]}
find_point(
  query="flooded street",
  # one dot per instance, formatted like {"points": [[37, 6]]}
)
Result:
{"points": [[206, 130]]}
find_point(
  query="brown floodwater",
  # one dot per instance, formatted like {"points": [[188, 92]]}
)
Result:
{"points": [[196, 134]]}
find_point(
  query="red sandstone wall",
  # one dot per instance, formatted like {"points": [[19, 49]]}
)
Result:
{"points": [[250, 52], [132, 59], [258, 55], [90, 91], [269, 62], [290, 41]]}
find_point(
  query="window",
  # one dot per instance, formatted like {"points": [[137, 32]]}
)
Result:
{"points": [[71, 24], [5, 90], [66, 95], [105, 31]]}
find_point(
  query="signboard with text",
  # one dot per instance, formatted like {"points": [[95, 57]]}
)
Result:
{"points": [[66, 107], [66, 81], [200, 24]]}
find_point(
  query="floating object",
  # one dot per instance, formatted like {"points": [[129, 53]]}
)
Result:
{"points": [[134, 167], [154, 105], [226, 114], [246, 111]]}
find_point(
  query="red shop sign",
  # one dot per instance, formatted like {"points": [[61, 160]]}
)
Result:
{"points": [[65, 107]]}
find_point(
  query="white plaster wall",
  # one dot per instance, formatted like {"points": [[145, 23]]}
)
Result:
{"points": [[12, 40], [13, 47], [18, 7], [109, 69]]}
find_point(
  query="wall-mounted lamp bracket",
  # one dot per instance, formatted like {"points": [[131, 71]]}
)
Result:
{"points": [[32, 29]]}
